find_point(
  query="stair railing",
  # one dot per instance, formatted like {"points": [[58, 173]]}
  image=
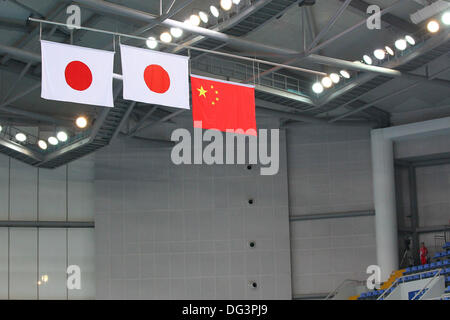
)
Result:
{"points": [[422, 291], [335, 291]]}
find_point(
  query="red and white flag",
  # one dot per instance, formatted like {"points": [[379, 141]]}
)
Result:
{"points": [[155, 77], [77, 74]]}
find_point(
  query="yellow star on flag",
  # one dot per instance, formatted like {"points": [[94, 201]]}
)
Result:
{"points": [[202, 92]]}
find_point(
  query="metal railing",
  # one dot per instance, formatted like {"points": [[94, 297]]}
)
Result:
{"points": [[400, 280], [335, 291], [242, 72], [425, 288]]}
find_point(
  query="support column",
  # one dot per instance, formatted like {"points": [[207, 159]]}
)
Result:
{"points": [[384, 201]]}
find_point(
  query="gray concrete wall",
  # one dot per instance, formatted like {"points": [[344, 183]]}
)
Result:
{"points": [[182, 232]]}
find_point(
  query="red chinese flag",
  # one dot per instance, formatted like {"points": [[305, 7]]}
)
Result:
{"points": [[223, 105]]}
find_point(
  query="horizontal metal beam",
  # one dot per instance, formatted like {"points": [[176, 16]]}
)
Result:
{"points": [[429, 229], [46, 224], [332, 215]]}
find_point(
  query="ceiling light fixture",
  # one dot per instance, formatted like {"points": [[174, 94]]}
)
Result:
{"points": [[317, 87], [326, 82], [433, 26], [81, 122], [176, 32], [367, 59], [21, 137], [52, 140], [345, 74], [151, 43], [401, 44], [203, 16], [42, 144], [1, 128], [226, 4], [194, 20], [214, 11], [236, 2], [335, 77], [389, 50], [379, 54], [165, 37], [410, 40], [446, 18], [62, 136]]}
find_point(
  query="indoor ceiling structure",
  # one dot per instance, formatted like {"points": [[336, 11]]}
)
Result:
{"points": [[310, 61]]}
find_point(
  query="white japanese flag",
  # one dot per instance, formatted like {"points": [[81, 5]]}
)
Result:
{"points": [[155, 77], [77, 74]]}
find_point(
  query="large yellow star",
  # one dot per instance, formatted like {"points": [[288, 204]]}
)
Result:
{"points": [[202, 91]]}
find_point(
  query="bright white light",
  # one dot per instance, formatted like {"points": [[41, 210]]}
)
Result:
{"points": [[433, 26], [379, 54], [410, 40], [226, 4], [446, 18], [194, 20], [401, 44], [21, 137], [62, 136], [326, 82], [236, 2], [317, 87], [203, 16], [42, 144], [176, 32], [367, 59], [53, 141], [44, 278], [81, 122], [151, 43], [187, 21], [389, 50], [1, 128], [214, 11], [345, 74], [165, 37], [334, 77]]}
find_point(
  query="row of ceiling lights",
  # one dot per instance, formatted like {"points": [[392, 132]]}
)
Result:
{"points": [[433, 26], [61, 136], [194, 19]]}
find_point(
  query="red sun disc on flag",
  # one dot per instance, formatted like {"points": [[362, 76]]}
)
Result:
{"points": [[156, 78], [78, 75]]}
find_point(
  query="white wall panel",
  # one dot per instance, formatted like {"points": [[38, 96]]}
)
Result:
{"points": [[23, 263], [52, 263], [52, 194], [23, 192]]}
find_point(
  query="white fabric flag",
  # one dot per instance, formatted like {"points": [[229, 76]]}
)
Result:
{"points": [[155, 77], [77, 74]]}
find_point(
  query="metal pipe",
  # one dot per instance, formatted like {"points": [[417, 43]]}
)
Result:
{"points": [[46, 224], [332, 215]]}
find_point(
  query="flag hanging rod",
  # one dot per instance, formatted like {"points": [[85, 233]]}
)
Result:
{"points": [[230, 55]]}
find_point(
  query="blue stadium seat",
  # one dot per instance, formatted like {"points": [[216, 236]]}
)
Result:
{"points": [[439, 264], [414, 269], [447, 279], [446, 262], [426, 266], [416, 277], [446, 271], [420, 268], [437, 255], [433, 265], [447, 290], [408, 270]]}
